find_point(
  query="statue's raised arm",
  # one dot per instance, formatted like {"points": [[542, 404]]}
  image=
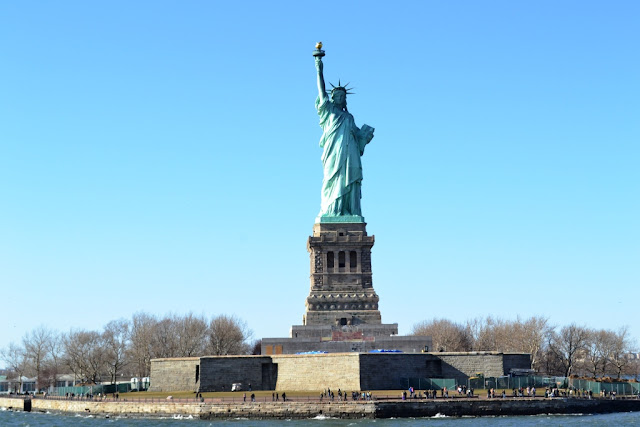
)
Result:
{"points": [[318, 54]]}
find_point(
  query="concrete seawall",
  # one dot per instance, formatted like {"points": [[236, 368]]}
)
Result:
{"points": [[203, 410], [495, 407], [302, 410]]}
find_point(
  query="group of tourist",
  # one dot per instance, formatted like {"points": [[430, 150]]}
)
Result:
{"points": [[515, 392], [464, 390], [531, 392], [588, 394], [411, 393], [492, 393], [342, 395], [611, 394], [87, 396], [275, 397]]}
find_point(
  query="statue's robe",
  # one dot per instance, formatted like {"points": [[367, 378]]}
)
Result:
{"points": [[343, 144]]}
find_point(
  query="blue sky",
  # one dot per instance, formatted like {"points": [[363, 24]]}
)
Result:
{"points": [[163, 156]]}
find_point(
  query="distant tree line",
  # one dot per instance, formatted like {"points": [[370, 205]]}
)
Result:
{"points": [[561, 351], [123, 347]]}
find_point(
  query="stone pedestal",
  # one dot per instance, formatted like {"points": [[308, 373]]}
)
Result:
{"points": [[341, 281]]}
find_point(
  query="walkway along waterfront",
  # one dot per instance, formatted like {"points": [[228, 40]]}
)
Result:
{"points": [[210, 409]]}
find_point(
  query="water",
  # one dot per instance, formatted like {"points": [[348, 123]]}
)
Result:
{"points": [[35, 419]]}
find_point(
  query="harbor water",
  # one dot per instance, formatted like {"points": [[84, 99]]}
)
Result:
{"points": [[36, 419]]}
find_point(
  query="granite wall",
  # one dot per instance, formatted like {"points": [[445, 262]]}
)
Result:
{"points": [[387, 371], [461, 366], [516, 361], [464, 365], [217, 373], [382, 371], [175, 374], [314, 372]]}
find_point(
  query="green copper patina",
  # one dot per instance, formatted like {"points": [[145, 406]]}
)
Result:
{"points": [[342, 143]]}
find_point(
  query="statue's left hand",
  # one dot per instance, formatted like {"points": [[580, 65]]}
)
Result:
{"points": [[367, 132], [369, 136]]}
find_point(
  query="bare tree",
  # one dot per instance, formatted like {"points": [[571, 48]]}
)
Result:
{"points": [[165, 337], [532, 336], [228, 335], [445, 334], [84, 357], [116, 342], [473, 327], [488, 334], [37, 344], [179, 336], [16, 361], [143, 328], [192, 335], [56, 356], [518, 336], [256, 348], [596, 352], [566, 345], [621, 346]]}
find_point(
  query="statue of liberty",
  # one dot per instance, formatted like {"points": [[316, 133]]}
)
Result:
{"points": [[342, 143]]}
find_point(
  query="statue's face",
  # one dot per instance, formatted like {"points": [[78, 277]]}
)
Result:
{"points": [[339, 97]]}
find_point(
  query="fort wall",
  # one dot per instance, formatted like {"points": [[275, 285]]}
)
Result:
{"points": [[315, 372]]}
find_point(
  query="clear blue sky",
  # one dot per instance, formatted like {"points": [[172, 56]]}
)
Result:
{"points": [[162, 156]]}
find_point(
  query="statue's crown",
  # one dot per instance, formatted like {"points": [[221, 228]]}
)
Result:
{"points": [[344, 88]]}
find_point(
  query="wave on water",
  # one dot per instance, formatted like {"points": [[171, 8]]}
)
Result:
{"points": [[557, 415], [323, 417], [83, 416], [182, 417]]}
